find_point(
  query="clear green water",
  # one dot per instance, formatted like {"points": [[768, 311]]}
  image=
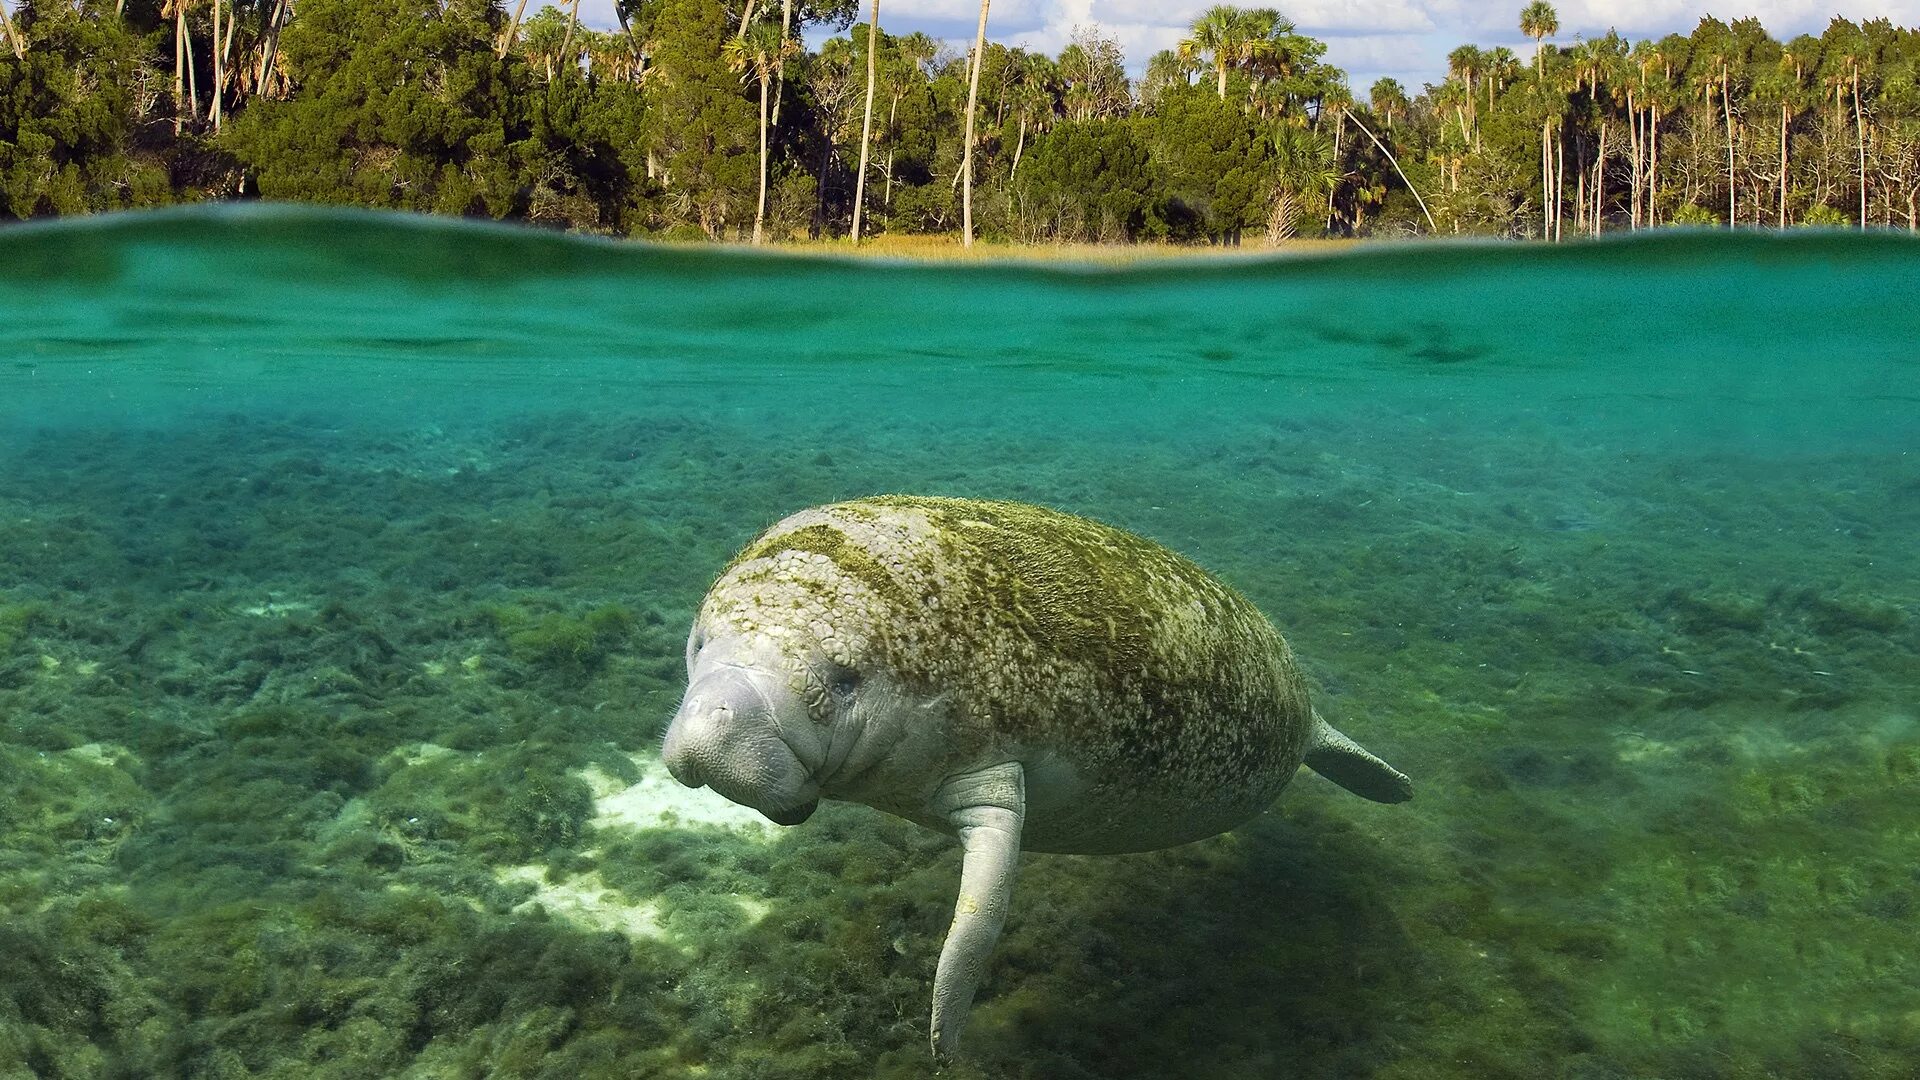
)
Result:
{"points": [[345, 563]]}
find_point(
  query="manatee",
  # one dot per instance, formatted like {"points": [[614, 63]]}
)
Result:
{"points": [[1008, 674]]}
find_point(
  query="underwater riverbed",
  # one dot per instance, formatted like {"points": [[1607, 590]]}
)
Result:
{"points": [[346, 563]]}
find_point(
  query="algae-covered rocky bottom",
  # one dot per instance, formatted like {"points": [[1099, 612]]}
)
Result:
{"points": [[330, 751]]}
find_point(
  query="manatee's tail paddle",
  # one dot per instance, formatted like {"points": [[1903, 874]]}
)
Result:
{"points": [[1346, 763]]}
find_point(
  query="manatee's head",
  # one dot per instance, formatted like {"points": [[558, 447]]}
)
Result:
{"points": [[775, 697], [743, 731]]}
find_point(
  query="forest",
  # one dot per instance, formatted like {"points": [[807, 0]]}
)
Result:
{"points": [[714, 120]]}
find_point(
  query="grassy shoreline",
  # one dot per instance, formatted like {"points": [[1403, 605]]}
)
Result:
{"points": [[944, 248]]}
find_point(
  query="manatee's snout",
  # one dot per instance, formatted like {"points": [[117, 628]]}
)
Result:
{"points": [[727, 736]]}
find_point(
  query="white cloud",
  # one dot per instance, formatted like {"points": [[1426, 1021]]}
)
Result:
{"points": [[1360, 17], [1405, 39], [1326, 16]]}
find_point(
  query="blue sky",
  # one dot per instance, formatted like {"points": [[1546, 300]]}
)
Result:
{"points": [[1406, 39]]}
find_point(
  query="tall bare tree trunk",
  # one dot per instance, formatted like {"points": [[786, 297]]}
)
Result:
{"points": [[1726, 107], [893, 114], [1546, 180], [219, 64], [1559, 184], [273, 43], [513, 31], [1633, 151], [1581, 197], [193, 77], [1860, 138], [1785, 115], [866, 122], [779, 72], [1600, 181], [760, 207], [1339, 129], [966, 153], [566, 43], [179, 61], [13, 33], [1653, 168], [639, 58]]}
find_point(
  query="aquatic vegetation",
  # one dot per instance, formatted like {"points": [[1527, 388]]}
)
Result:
{"points": [[558, 640], [15, 621], [1613, 803]]}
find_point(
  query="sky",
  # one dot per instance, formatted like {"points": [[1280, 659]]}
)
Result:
{"points": [[1405, 39]]}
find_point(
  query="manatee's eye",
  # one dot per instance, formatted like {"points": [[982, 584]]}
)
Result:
{"points": [[844, 683]]}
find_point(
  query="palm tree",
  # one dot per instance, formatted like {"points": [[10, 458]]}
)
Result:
{"points": [[1663, 57], [973, 107], [272, 45], [543, 41], [1597, 61], [1539, 21], [1849, 67], [1797, 58], [219, 65], [755, 54], [1032, 97], [1232, 36], [1303, 169], [1464, 63], [1285, 66], [1212, 34], [1639, 82], [1714, 66], [1502, 67], [1165, 69], [186, 86], [1550, 103], [1387, 97], [905, 74], [866, 122]]}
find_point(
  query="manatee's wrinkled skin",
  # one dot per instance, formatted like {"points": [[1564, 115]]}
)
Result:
{"points": [[1012, 675]]}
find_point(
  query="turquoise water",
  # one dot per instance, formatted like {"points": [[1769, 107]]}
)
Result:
{"points": [[346, 562]]}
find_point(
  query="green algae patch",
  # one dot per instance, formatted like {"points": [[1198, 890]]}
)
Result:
{"points": [[15, 621], [504, 805], [562, 641], [63, 817]]}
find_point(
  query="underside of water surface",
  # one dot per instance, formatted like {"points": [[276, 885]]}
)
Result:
{"points": [[346, 564]]}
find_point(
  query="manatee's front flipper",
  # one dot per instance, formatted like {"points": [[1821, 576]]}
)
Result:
{"points": [[1344, 762], [987, 809]]}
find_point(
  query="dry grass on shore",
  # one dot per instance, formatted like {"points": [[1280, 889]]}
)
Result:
{"points": [[947, 248]]}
